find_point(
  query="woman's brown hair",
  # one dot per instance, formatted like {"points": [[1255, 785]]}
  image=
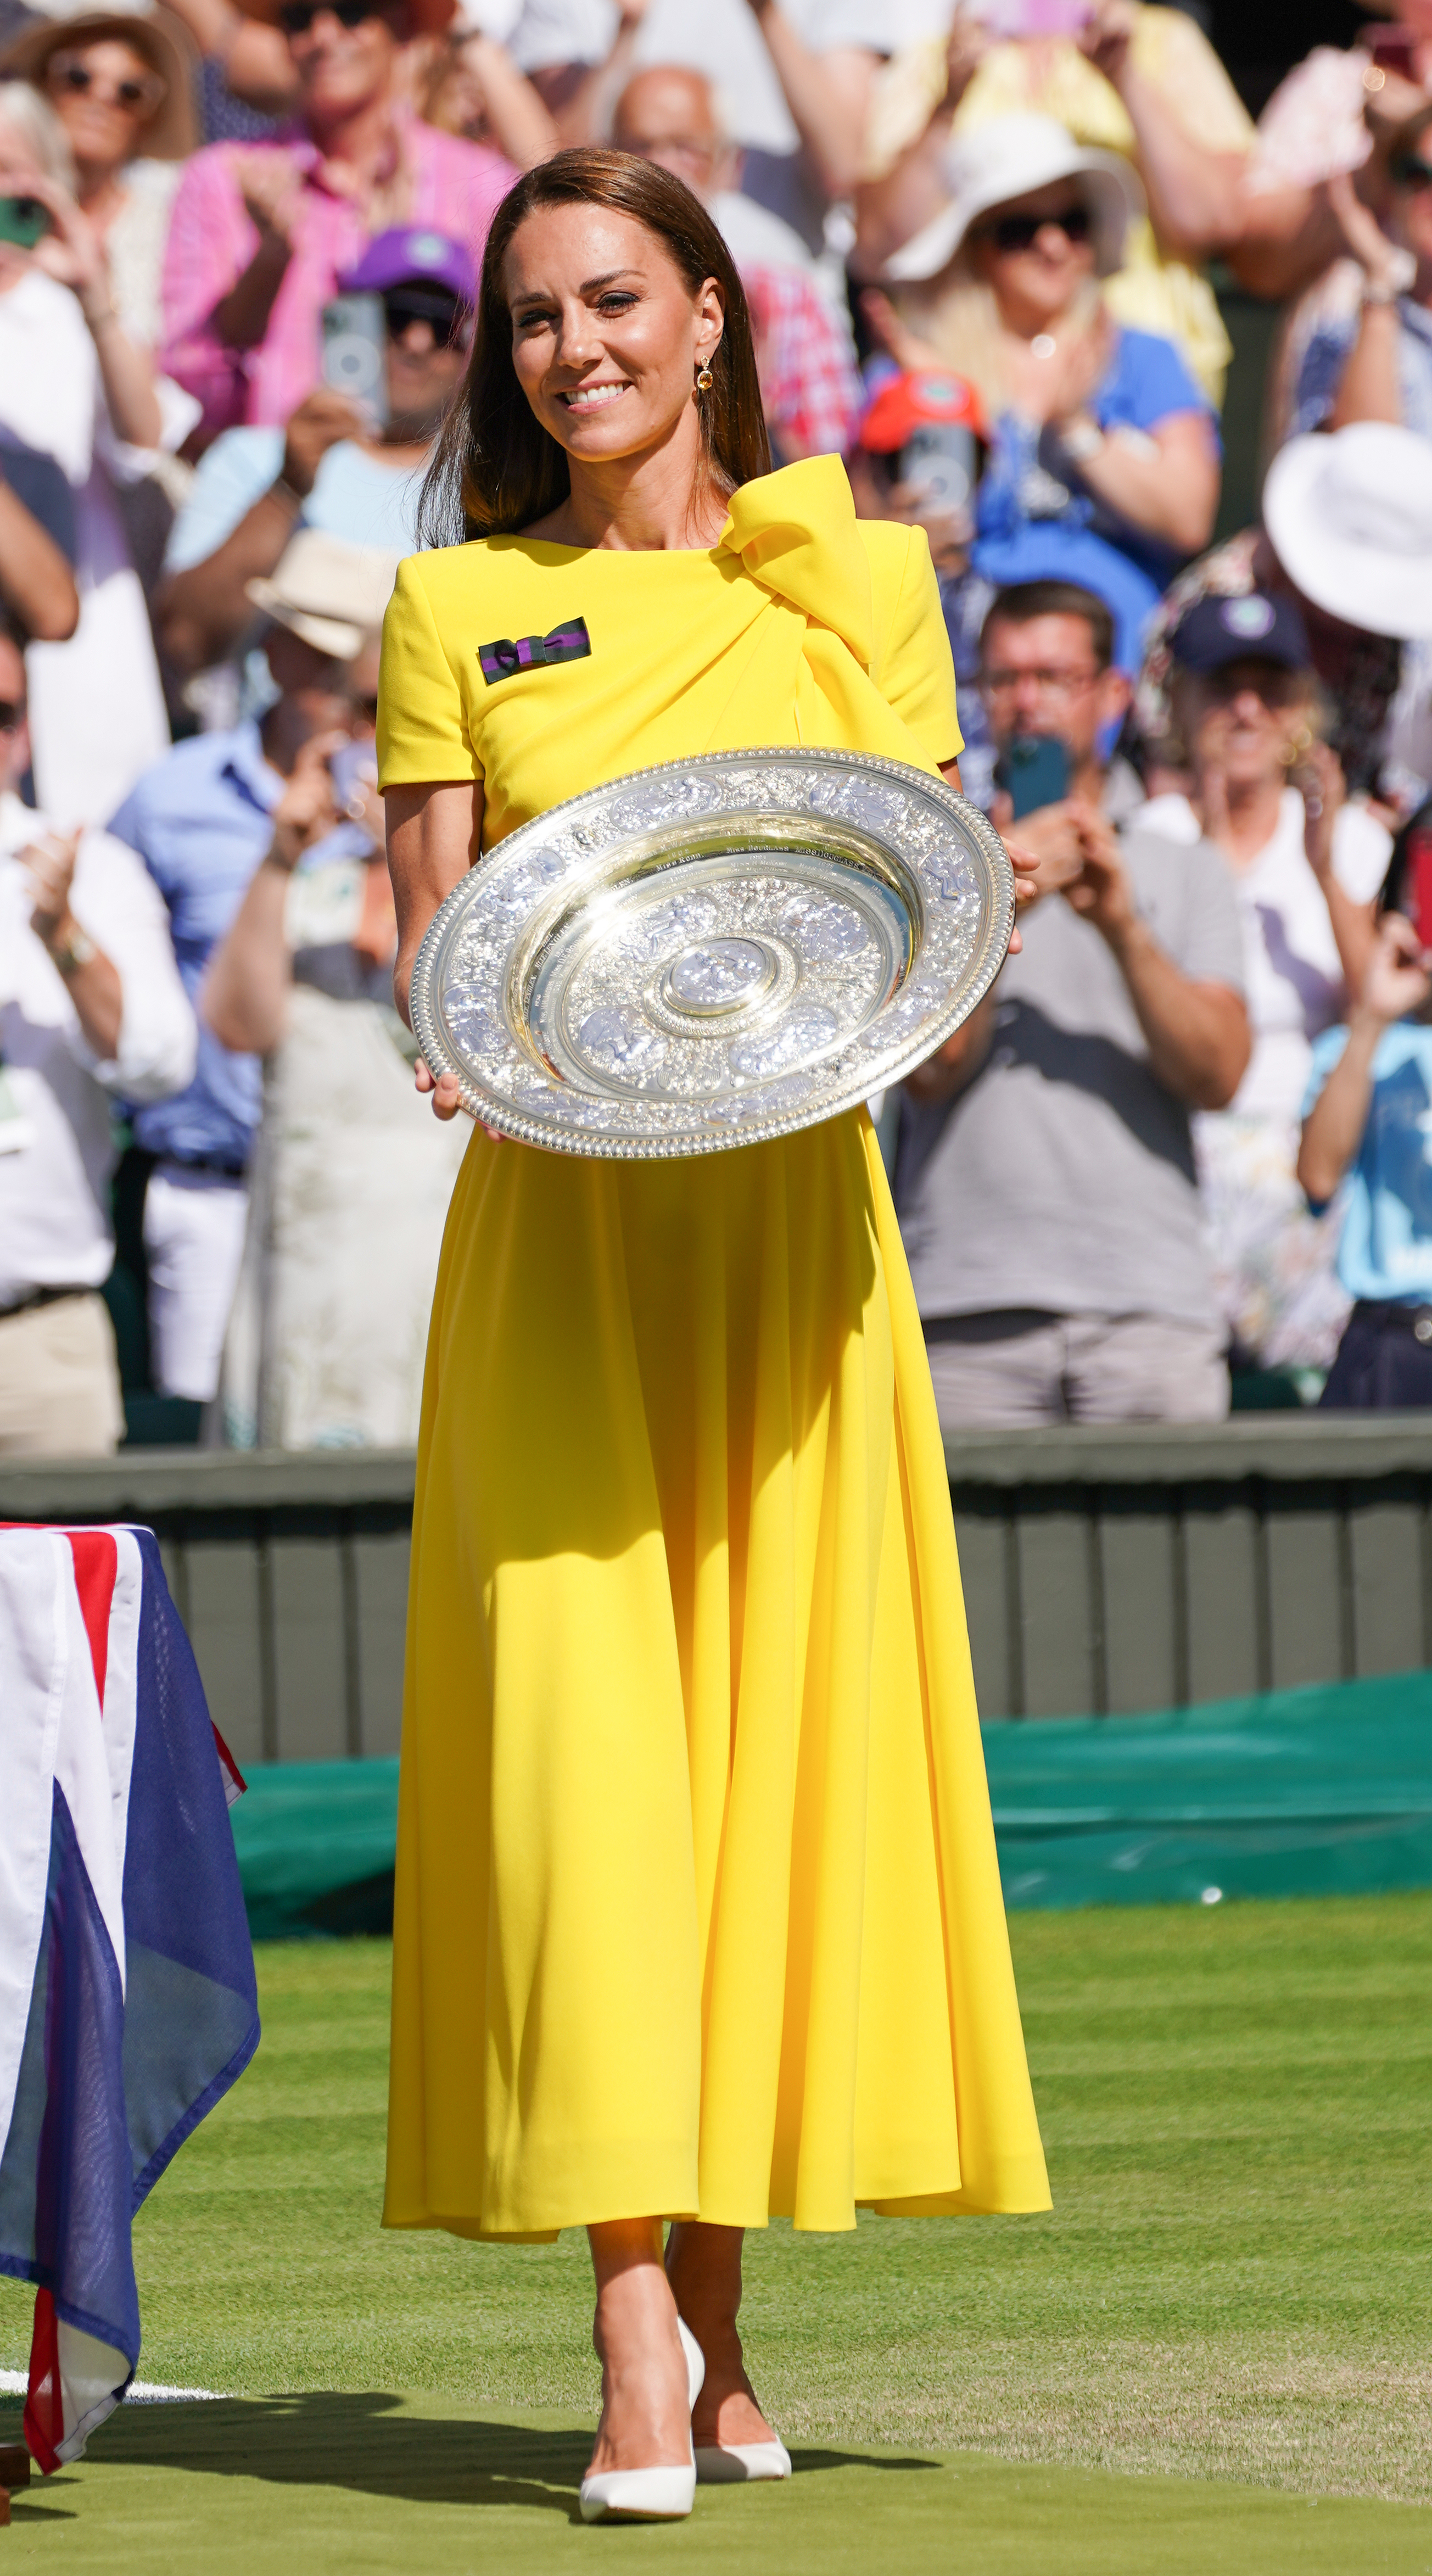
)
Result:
{"points": [[495, 468]]}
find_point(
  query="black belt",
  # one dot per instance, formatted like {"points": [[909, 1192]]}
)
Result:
{"points": [[40, 1297], [222, 1166], [1416, 1320]]}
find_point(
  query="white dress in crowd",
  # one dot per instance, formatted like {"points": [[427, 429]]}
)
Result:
{"points": [[56, 1131], [97, 715], [349, 1185], [1272, 1259]]}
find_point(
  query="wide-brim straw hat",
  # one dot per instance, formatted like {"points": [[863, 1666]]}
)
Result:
{"points": [[1009, 158], [1350, 520], [329, 593], [172, 133]]}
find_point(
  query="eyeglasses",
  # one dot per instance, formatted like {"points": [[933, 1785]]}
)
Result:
{"points": [[1408, 171], [135, 94], [10, 715], [1050, 684], [297, 16], [1020, 232]]}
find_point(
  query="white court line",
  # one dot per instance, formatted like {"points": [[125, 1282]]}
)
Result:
{"points": [[15, 2383]]}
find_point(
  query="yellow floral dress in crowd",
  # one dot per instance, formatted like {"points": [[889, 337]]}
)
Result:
{"points": [[697, 1908], [1049, 76]]}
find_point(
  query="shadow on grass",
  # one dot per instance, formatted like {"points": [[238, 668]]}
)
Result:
{"points": [[362, 2442]]}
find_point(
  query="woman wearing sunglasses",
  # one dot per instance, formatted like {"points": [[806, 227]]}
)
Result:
{"points": [[122, 88], [1104, 464], [1375, 361]]}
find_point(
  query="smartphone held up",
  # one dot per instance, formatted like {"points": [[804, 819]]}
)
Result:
{"points": [[355, 353]]}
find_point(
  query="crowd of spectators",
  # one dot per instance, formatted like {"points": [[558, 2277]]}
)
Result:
{"points": [[1181, 1156]]}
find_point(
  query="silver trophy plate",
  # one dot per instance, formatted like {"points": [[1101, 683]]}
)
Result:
{"points": [[713, 952]]}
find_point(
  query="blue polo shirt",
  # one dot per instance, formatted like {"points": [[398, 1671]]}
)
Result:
{"points": [[1385, 1250], [201, 821]]}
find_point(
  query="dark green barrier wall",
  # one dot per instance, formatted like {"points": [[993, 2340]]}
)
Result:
{"points": [[1105, 1571]]}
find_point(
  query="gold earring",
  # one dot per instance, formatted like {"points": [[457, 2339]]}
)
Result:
{"points": [[704, 381]]}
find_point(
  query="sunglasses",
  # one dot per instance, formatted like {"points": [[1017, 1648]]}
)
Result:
{"points": [[1020, 232], [1410, 172], [442, 313], [297, 16], [133, 94]]}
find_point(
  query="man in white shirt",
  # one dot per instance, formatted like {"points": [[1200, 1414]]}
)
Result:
{"points": [[90, 1004]]}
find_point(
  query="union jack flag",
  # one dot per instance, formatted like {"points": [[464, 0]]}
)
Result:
{"points": [[127, 1996]]}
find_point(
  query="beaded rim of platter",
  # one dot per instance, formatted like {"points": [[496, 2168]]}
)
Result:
{"points": [[713, 952]]}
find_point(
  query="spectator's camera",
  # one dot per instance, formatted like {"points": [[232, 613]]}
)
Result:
{"points": [[23, 221], [938, 464], [355, 351]]}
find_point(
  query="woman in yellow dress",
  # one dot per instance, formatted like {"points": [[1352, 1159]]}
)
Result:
{"points": [[698, 1915]]}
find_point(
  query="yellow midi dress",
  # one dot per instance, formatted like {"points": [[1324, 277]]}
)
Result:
{"points": [[697, 1907]]}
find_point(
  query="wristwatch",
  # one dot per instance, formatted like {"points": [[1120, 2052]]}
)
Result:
{"points": [[1081, 437], [1398, 278], [73, 951]]}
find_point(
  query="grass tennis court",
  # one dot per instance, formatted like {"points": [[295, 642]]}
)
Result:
{"points": [[1234, 2292]]}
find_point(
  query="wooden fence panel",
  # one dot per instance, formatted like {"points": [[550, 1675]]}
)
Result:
{"points": [[1226, 1593], [1388, 1542], [1144, 1653], [1137, 1568]]}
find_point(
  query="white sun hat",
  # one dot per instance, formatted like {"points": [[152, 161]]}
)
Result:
{"points": [[1008, 158], [1350, 519], [330, 593]]}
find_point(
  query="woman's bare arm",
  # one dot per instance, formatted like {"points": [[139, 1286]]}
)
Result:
{"points": [[1165, 481], [434, 837]]}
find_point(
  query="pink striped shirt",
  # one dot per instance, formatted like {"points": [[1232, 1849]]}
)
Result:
{"points": [[456, 188]]}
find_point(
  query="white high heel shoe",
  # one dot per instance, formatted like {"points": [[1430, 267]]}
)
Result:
{"points": [[718, 2465], [648, 2495]]}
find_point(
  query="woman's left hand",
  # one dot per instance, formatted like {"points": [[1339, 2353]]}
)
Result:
{"points": [[1077, 369], [1319, 781]]}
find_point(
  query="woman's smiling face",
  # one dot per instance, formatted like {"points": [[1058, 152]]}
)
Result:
{"points": [[607, 336]]}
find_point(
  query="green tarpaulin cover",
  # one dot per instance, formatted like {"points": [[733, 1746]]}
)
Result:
{"points": [[1293, 1793]]}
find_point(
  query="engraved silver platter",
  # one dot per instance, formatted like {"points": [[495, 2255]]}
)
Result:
{"points": [[713, 952]]}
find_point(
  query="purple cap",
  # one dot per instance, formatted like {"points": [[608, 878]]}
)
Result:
{"points": [[412, 255]]}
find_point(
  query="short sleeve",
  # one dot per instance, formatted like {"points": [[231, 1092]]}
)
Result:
{"points": [[232, 475], [1195, 917], [1150, 380], [422, 730], [1362, 853], [917, 670]]}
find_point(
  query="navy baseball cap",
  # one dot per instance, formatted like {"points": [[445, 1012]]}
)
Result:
{"points": [[1255, 628], [412, 255]]}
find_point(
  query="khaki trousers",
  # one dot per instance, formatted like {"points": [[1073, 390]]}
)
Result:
{"points": [[59, 1381], [1008, 1372]]}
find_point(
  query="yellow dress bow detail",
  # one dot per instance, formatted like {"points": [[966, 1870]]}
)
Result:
{"points": [[796, 533]]}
